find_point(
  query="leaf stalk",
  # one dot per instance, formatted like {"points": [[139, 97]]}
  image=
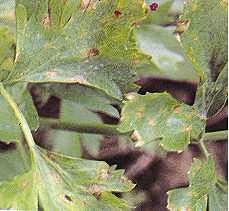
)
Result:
{"points": [[21, 120], [82, 128]]}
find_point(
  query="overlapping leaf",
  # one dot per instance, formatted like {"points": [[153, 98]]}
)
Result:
{"points": [[7, 14], [7, 51], [159, 119], [211, 97], [165, 52], [9, 126], [203, 184], [55, 46], [85, 97], [65, 183], [205, 41], [161, 15]]}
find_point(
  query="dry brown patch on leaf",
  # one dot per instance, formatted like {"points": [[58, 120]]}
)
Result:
{"points": [[104, 174], [51, 74], [152, 121], [140, 112], [93, 52], [46, 22], [188, 128], [95, 191], [136, 136]]}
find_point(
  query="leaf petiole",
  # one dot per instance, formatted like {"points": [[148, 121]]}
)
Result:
{"points": [[215, 136], [203, 148], [87, 128], [21, 121]]}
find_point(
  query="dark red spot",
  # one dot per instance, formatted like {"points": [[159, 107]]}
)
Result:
{"points": [[93, 52], [153, 6], [117, 13]]}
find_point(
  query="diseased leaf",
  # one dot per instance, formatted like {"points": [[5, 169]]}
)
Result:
{"points": [[166, 54], [181, 199], [19, 193], [202, 184], [159, 119], [205, 41], [66, 183], [54, 50], [9, 126]]}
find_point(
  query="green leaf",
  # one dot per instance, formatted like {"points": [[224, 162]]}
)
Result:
{"points": [[19, 193], [181, 199], [91, 142], [71, 112], [218, 199], [14, 161], [165, 52], [86, 97], [9, 126], [64, 142], [7, 52], [211, 97], [7, 14], [60, 51], [65, 183], [219, 93], [159, 119], [161, 16], [206, 37], [203, 184]]}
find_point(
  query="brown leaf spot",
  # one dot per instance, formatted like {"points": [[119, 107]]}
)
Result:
{"points": [[46, 22], [124, 179], [123, 116], [56, 178], [136, 136], [177, 110], [188, 128], [152, 121], [89, 3], [79, 79], [135, 24], [140, 112], [225, 2], [104, 174], [136, 61], [23, 185], [95, 191], [51, 74], [68, 198], [93, 52], [131, 96]]}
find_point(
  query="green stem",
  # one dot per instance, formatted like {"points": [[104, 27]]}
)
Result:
{"points": [[87, 128], [204, 149], [215, 136], [21, 120]]}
